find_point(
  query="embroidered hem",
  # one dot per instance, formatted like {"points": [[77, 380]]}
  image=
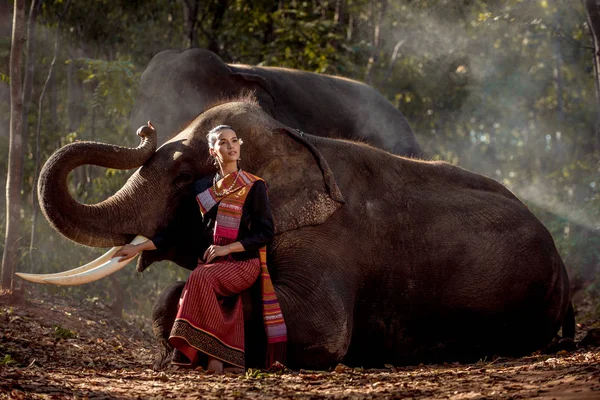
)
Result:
{"points": [[207, 343]]}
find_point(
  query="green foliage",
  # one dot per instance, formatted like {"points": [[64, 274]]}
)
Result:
{"points": [[113, 85], [7, 361], [305, 43], [63, 333], [254, 373]]}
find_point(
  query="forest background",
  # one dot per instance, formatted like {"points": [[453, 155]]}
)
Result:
{"points": [[502, 88]]}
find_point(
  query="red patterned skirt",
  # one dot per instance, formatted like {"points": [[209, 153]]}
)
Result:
{"points": [[210, 317]]}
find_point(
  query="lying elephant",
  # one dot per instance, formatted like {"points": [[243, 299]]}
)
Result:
{"points": [[377, 258], [178, 85]]}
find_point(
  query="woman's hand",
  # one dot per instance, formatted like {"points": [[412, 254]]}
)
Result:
{"points": [[215, 251], [128, 251], [131, 250]]}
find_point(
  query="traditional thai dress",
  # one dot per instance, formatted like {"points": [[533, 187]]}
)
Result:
{"points": [[210, 317]]}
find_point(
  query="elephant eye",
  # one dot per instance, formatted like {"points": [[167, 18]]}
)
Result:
{"points": [[184, 178]]}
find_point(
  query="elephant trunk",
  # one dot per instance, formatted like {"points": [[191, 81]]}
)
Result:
{"points": [[111, 222]]}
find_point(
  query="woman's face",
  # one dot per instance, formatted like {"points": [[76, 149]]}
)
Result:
{"points": [[227, 147]]}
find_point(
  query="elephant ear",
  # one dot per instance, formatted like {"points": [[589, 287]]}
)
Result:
{"points": [[249, 82], [301, 185]]}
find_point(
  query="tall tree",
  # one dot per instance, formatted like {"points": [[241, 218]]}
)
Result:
{"points": [[190, 20], [378, 10], [15, 161], [29, 65], [592, 9], [38, 136]]}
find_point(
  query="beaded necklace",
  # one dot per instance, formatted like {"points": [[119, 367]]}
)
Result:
{"points": [[229, 189]]}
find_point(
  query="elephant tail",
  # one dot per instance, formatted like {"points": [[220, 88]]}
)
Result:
{"points": [[568, 327]]}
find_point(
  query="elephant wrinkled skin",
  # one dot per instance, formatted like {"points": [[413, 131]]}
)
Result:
{"points": [[377, 258], [178, 85]]}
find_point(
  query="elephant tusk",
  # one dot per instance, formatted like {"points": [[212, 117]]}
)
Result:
{"points": [[89, 272], [38, 278]]}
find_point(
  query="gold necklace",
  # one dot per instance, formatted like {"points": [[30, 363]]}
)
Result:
{"points": [[229, 189]]}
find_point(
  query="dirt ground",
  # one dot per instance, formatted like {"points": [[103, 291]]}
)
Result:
{"points": [[54, 348]]}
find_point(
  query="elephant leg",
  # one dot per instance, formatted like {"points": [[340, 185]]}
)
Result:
{"points": [[164, 312], [319, 328], [315, 290]]}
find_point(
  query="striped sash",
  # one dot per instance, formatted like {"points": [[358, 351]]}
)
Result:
{"points": [[229, 215]]}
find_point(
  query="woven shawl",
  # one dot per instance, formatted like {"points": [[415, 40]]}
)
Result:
{"points": [[229, 215]]}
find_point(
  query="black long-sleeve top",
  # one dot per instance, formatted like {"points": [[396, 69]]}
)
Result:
{"points": [[256, 226]]}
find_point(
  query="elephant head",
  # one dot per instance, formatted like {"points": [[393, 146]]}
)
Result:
{"points": [[159, 190], [178, 85]]}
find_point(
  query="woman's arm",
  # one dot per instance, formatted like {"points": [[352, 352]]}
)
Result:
{"points": [[131, 250], [180, 224], [262, 230]]}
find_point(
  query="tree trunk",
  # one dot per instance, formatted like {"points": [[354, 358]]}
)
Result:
{"points": [[213, 39], [38, 144], [393, 59], [338, 17], [15, 162], [377, 14], [323, 6], [593, 15], [559, 147], [190, 19], [75, 113], [269, 33], [75, 108], [350, 30], [28, 80], [53, 101], [558, 61]]}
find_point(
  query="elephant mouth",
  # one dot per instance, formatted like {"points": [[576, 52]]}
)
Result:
{"points": [[99, 268]]}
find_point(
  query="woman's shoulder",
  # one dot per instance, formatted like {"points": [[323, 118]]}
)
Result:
{"points": [[259, 185], [252, 179]]}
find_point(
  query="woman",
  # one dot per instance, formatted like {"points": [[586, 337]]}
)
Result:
{"points": [[238, 225]]}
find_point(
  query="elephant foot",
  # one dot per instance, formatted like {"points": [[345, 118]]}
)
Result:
{"points": [[560, 344], [164, 357], [592, 338], [567, 344]]}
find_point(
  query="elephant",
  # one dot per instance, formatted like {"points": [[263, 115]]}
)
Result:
{"points": [[377, 258], [177, 85]]}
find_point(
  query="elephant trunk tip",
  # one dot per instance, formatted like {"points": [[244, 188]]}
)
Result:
{"points": [[147, 134], [146, 131]]}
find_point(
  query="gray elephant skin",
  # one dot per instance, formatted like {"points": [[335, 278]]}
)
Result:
{"points": [[178, 85], [377, 258]]}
